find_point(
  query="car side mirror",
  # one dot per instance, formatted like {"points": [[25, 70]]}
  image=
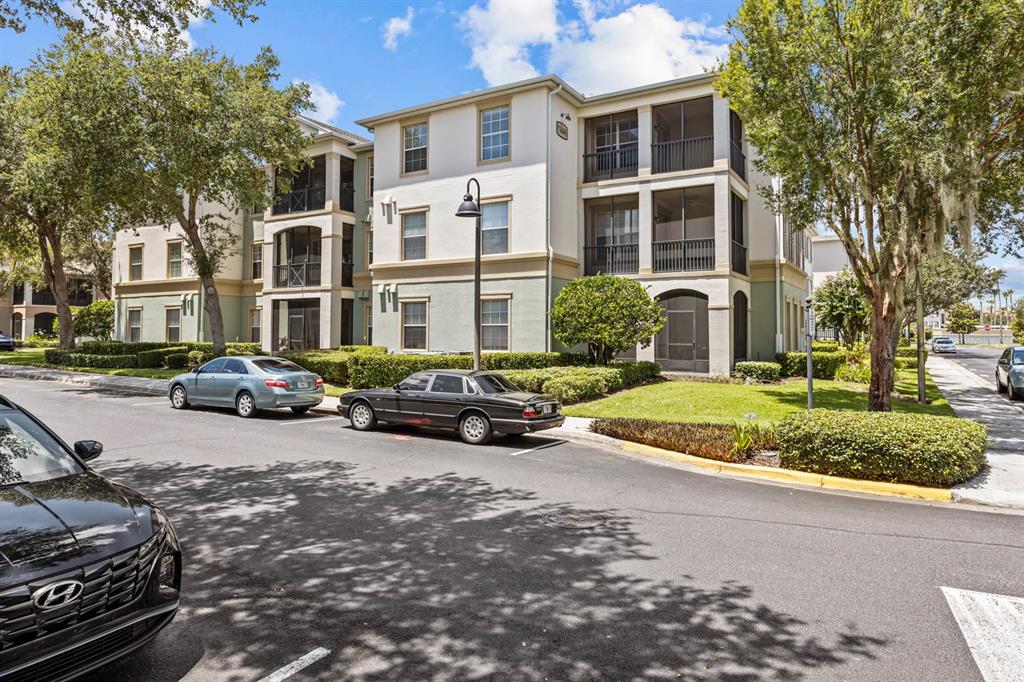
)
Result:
{"points": [[397, 387], [88, 449], [195, 370]]}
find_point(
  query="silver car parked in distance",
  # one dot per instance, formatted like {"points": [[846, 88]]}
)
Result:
{"points": [[943, 344], [248, 383]]}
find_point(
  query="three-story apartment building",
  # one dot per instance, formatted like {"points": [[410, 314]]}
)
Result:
{"points": [[652, 183], [26, 310], [290, 283]]}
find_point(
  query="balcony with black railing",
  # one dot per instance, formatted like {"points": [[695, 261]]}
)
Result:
{"points": [[300, 200], [297, 275], [679, 155], [683, 255], [739, 258], [347, 199], [608, 164], [619, 259], [737, 160]]}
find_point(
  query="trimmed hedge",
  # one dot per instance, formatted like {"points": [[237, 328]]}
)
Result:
{"points": [[902, 352], [329, 364], [711, 441], [57, 356], [883, 446], [765, 372], [123, 348], [857, 373], [824, 346], [157, 357], [576, 384], [177, 360], [198, 357], [372, 371], [824, 364], [373, 350]]}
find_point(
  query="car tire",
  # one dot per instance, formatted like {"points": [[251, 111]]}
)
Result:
{"points": [[179, 398], [361, 415], [1014, 395], [245, 405], [300, 409], [1000, 388], [475, 429]]}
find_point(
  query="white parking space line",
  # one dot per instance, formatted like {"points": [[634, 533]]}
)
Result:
{"points": [[162, 401], [539, 447], [295, 666], [993, 626], [317, 420]]}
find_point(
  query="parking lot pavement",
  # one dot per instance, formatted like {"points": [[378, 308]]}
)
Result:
{"points": [[408, 555]]}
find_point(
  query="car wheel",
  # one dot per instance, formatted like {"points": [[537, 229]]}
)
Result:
{"points": [[300, 409], [999, 385], [245, 405], [179, 398], [475, 429], [362, 417]]}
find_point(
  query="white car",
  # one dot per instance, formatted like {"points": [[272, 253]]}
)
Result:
{"points": [[943, 344]]}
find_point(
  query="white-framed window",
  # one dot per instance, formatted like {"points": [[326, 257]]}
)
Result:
{"points": [[369, 176], [255, 324], [494, 133], [414, 148], [134, 325], [135, 262], [172, 324], [494, 227], [494, 324], [414, 235], [256, 260], [369, 248], [369, 324], [414, 325], [174, 259]]}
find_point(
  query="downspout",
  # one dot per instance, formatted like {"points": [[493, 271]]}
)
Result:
{"points": [[779, 344], [547, 222]]}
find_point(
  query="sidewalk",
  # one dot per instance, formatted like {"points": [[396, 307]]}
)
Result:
{"points": [[1002, 483]]}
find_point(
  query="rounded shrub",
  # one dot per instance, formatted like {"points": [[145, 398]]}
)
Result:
{"points": [[883, 446], [856, 373], [177, 360], [824, 346], [198, 357], [764, 372]]}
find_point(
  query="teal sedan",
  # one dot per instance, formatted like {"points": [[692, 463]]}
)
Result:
{"points": [[248, 383]]}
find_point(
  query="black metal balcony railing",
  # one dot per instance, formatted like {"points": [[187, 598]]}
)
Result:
{"points": [[348, 198], [737, 160], [43, 297], [346, 274], [739, 258], [299, 200], [79, 298], [297, 275], [677, 155], [621, 162], [620, 259], [683, 255]]}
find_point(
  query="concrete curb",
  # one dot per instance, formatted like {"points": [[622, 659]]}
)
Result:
{"points": [[102, 381]]}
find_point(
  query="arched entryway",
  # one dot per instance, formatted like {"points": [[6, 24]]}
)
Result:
{"points": [[739, 326], [682, 344], [17, 328], [43, 323]]}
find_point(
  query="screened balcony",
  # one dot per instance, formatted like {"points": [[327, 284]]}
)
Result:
{"points": [[612, 236], [297, 257], [683, 238], [307, 190], [682, 136], [611, 147]]}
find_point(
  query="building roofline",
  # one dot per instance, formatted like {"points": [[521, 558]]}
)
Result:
{"points": [[334, 130], [551, 81]]}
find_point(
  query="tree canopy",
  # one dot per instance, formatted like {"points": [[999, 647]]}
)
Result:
{"points": [[963, 319], [125, 16], [891, 122], [839, 304]]}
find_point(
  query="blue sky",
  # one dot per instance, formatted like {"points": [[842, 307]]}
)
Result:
{"points": [[367, 57]]}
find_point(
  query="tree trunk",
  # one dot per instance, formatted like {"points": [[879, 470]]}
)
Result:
{"points": [[884, 332], [212, 305], [52, 254]]}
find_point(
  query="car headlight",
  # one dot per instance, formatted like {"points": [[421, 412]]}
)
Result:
{"points": [[168, 576]]}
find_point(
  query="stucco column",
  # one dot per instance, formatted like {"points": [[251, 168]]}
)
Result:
{"points": [[720, 121], [645, 354], [332, 178], [644, 135], [646, 211], [720, 339], [723, 237], [267, 325], [330, 319]]}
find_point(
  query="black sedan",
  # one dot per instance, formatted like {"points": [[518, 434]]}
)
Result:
{"points": [[6, 342], [478, 404], [89, 570]]}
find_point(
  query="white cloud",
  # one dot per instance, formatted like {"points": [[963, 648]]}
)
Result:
{"points": [[601, 52], [396, 27], [502, 34], [326, 104]]}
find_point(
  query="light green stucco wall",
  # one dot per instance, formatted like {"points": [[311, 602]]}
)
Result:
{"points": [[233, 309], [763, 316]]}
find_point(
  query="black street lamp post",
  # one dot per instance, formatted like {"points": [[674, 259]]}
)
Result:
{"points": [[470, 208]]}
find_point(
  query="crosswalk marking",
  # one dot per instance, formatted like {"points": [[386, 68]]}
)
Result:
{"points": [[993, 626]]}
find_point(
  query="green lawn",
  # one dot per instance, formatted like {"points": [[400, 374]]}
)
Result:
{"points": [[336, 391], [694, 401], [33, 357]]}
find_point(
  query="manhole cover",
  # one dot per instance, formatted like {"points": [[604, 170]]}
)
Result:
{"points": [[574, 520]]}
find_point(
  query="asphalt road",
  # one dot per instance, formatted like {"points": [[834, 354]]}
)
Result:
{"points": [[980, 361], [411, 556]]}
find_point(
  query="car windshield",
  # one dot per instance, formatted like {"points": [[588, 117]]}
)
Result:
{"points": [[28, 453], [1018, 357], [494, 383], [276, 366]]}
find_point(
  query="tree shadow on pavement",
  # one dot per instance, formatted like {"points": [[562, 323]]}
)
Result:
{"points": [[439, 578]]}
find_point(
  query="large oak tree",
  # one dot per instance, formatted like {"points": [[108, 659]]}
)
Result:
{"points": [[888, 121]]}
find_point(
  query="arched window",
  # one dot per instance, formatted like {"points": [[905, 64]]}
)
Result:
{"points": [[43, 323], [682, 344]]}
